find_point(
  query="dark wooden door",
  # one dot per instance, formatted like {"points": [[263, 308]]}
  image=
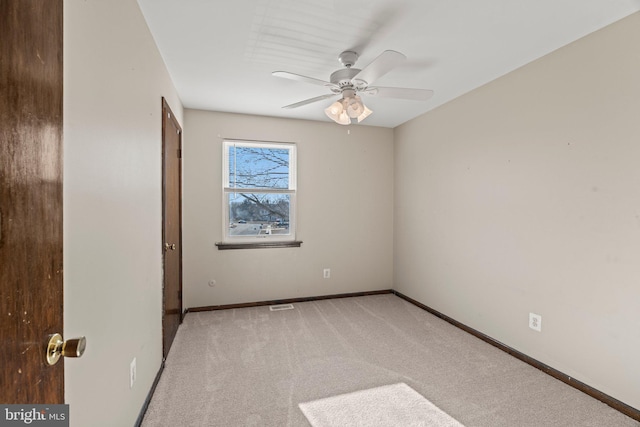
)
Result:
{"points": [[172, 226], [30, 199]]}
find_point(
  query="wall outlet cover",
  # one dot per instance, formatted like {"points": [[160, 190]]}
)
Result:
{"points": [[535, 322]]}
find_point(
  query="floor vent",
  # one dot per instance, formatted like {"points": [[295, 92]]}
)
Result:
{"points": [[281, 307]]}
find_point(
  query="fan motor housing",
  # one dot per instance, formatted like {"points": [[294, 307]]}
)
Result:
{"points": [[343, 77], [348, 58]]}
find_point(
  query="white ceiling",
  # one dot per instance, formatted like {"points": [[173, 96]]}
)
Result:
{"points": [[220, 54]]}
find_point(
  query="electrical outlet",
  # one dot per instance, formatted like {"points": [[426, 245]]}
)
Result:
{"points": [[132, 372], [326, 273], [535, 322]]}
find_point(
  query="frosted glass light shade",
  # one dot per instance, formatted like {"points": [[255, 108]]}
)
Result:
{"points": [[348, 108], [364, 114], [355, 107]]}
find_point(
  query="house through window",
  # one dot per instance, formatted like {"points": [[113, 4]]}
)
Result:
{"points": [[259, 191]]}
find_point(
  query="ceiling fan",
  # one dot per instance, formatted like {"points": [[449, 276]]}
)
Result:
{"points": [[349, 82]]}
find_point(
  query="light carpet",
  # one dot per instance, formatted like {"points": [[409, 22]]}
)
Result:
{"points": [[252, 367], [387, 406]]}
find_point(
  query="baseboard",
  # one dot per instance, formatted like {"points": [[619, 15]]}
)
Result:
{"points": [[286, 301], [145, 405], [597, 394]]}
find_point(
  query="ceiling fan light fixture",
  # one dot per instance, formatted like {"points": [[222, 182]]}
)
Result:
{"points": [[334, 111], [344, 119], [350, 107], [355, 107], [364, 114]]}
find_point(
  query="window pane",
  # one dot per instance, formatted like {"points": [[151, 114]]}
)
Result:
{"points": [[253, 214], [255, 167]]}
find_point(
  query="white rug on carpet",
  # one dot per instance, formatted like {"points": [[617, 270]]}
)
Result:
{"points": [[389, 406]]}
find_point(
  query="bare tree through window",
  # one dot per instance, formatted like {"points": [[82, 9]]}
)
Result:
{"points": [[259, 188]]}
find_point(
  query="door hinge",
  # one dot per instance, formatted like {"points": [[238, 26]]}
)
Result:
{"points": [[179, 153]]}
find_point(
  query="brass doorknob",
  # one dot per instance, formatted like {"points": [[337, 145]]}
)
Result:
{"points": [[69, 348]]}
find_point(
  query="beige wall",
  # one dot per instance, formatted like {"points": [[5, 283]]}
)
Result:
{"points": [[524, 196], [344, 212], [113, 81]]}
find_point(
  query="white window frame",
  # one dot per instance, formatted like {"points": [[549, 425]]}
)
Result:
{"points": [[291, 191]]}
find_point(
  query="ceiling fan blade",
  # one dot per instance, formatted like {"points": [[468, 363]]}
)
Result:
{"points": [[310, 100], [399, 92], [305, 79], [385, 62]]}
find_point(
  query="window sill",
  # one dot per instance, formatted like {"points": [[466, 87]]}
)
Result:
{"points": [[258, 245]]}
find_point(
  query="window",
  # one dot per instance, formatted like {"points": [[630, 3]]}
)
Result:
{"points": [[259, 191]]}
